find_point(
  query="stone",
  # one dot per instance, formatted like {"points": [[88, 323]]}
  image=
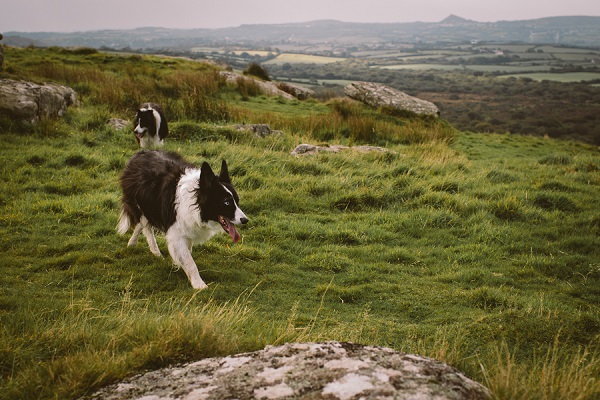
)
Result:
{"points": [[30, 102], [268, 88], [298, 91], [378, 95], [259, 130], [305, 149], [118, 123], [331, 370]]}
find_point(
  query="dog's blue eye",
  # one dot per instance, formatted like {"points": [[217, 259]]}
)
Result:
{"points": [[227, 203]]}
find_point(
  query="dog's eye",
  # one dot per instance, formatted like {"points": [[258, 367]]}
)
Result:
{"points": [[227, 203]]}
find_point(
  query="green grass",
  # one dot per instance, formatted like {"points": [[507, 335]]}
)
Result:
{"points": [[479, 250]]}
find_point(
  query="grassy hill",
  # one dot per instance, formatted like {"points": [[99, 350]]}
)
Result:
{"points": [[482, 251]]}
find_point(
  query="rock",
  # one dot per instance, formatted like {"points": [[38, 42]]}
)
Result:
{"points": [[378, 95], [259, 130], [332, 370], [117, 123], [29, 102], [268, 88], [310, 149], [299, 92]]}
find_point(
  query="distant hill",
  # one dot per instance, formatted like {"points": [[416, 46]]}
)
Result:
{"points": [[572, 31]]}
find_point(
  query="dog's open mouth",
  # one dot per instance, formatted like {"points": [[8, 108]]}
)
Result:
{"points": [[229, 228], [140, 135]]}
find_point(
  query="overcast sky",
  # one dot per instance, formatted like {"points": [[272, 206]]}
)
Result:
{"points": [[84, 15]]}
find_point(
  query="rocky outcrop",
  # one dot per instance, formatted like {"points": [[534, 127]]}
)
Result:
{"points": [[286, 90], [29, 102], [310, 149], [268, 88], [332, 370], [299, 92], [378, 95]]}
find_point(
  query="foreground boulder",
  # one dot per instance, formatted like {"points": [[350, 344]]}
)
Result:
{"points": [[378, 95], [332, 370], [30, 102]]}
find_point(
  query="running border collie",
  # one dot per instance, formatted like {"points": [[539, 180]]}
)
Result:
{"points": [[161, 190], [150, 126]]}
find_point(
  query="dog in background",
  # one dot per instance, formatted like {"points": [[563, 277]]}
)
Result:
{"points": [[150, 126], [163, 191]]}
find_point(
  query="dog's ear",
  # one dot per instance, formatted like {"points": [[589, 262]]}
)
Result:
{"points": [[207, 176], [224, 174]]}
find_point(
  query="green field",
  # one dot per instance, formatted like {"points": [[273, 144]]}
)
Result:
{"points": [[302, 59], [482, 251], [560, 77]]}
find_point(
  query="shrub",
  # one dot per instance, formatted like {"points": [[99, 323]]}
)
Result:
{"points": [[256, 70]]}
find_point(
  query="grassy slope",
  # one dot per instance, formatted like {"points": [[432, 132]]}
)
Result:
{"points": [[483, 253]]}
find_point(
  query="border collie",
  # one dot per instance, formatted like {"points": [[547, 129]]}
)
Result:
{"points": [[190, 205], [150, 126]]}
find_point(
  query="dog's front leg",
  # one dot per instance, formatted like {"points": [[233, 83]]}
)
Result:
{"points": [[182, 256]]}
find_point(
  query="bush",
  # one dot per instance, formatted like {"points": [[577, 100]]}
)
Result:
{"points": [[256, 70]]}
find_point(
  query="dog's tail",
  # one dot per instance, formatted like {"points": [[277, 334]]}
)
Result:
{"points": [[124, 223]]}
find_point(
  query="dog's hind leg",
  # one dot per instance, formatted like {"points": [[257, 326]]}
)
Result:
{"points": [[149, 233], [182, 256], [136, 233]]}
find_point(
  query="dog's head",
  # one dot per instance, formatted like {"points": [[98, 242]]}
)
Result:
{"points": [[144, 123], [218, 201]]}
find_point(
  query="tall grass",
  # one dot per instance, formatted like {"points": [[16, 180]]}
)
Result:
{"points": [[87, 345], [555, 374], [197, 92]]}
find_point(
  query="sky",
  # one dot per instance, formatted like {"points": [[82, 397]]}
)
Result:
{"points": [[86, 15]]}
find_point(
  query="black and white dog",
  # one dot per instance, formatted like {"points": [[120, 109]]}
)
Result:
{"points": [[163, 191], [150, 126]]}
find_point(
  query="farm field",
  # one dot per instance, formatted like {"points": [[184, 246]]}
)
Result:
{"points": [[295, 58], [564, 77], [480, 250]]}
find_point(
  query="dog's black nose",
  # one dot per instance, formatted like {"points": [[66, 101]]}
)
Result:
{"points": [[244, 220]]}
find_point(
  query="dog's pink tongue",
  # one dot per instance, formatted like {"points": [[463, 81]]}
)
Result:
{"points": [[235, 236]]}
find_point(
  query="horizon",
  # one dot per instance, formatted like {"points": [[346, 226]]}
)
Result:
{"points": [[68, 16], [293, 23]]}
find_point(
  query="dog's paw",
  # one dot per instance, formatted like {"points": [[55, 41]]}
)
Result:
{"points": [[157, 253], [199, 285]]}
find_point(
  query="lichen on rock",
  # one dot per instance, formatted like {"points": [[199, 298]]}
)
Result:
{"points": [[331, 370]]}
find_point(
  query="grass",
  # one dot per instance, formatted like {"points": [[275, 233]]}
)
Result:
{"points": [[479, 250]]}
